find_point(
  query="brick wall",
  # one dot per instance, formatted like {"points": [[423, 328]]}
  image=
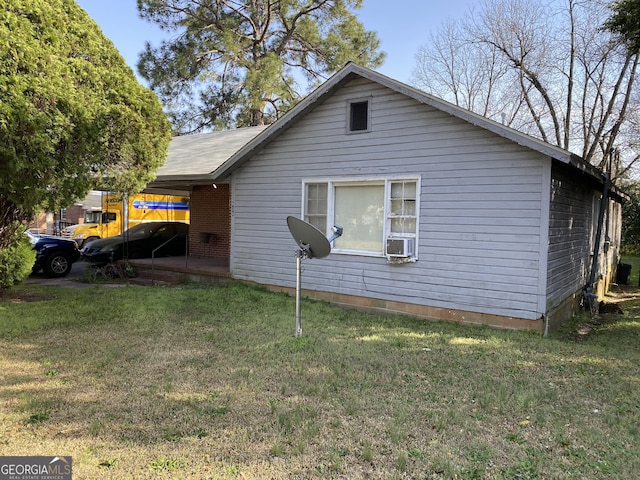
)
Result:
{"points": [[73, 215], [41, 224], [210, 213]]}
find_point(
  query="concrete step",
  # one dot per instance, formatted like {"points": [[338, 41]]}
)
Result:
{"points": [[175, 270], [165, 276], [149, 282]]}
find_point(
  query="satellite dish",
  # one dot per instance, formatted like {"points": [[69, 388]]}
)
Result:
{"points": [[312, 243], [311, 240]]}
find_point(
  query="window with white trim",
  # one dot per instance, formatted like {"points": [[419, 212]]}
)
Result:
{"points": [[402, 214], [372, 212], [315, 211]]}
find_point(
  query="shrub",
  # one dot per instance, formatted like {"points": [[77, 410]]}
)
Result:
{"points": [[16, 262]]}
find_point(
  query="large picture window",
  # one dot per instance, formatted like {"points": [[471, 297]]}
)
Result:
{"points": [[359, 209], [374, 213]]}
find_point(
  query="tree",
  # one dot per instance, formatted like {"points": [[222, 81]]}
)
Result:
{"points": [[549, 69], [625, 21], [469, 74], [631, 219], [240, 61], [72, 115]]}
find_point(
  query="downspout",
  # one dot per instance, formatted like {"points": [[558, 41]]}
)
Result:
{"points": [[587, 292]]}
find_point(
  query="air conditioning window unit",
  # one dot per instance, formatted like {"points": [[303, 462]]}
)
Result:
{"points": [[401, 247]]}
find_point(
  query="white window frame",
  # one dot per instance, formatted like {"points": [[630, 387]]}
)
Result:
{"points": [[386, 231]]}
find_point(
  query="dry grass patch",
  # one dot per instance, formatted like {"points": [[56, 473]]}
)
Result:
{"points": [[210, 383]]}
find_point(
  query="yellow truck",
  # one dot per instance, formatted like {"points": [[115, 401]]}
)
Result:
{"points": [[116, 215]]}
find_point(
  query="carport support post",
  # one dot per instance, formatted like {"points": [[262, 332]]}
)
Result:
{"points": [[298, 274]]}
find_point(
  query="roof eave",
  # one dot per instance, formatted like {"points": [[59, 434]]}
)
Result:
{"points": [[179, 182], [185, 178]]}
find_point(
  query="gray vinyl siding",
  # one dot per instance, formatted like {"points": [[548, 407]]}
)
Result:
{"points": [[571, 232], [480, 202]]}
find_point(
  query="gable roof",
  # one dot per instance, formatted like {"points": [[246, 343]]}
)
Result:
{"points": [[214, 156], [351, 71]]}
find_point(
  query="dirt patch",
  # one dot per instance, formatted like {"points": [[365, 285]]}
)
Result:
{"points": [[608, 312], [24, 296]]}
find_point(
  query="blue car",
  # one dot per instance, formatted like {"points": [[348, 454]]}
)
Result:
{"points": [[54, 255]]}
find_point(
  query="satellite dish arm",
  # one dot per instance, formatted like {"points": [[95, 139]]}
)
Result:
{"points": [[304, 250], [337, 232]]}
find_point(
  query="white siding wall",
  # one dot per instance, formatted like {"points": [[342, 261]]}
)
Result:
{"points": [[480, 225]]}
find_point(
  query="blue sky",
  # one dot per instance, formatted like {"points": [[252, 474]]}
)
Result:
{"points": [[402, 26]]}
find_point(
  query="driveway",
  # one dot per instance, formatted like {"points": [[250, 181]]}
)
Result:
{"points": [[74, 279]]}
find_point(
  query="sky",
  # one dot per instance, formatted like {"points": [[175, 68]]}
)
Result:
{"points": [[402, 27]]}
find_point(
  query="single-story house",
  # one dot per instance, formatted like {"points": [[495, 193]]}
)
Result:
{"points": [[446, 214]]}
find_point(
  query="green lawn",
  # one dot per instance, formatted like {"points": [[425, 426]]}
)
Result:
{"points": [[189, 382]]}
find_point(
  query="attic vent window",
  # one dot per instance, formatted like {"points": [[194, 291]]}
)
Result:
{"points": [[359, 116]]}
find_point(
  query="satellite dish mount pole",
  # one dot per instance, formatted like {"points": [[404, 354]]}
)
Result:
{"points": [[311, 244], [303, 251], [298, 269], [300, 253]]}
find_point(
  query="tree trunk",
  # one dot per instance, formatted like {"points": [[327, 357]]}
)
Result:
{"points": [[10, 221], [257, 117]]}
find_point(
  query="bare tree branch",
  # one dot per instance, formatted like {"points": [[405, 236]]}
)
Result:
{"points": [[548, 68]]}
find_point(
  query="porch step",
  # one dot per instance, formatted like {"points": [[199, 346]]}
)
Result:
{"points": [[148, 282], [146, 276], [174, 270]]}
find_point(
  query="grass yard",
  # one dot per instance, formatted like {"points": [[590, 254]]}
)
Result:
{"points": [[210, 383]]}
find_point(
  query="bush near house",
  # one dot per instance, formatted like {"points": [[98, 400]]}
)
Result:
{"points": [[16, 262]]}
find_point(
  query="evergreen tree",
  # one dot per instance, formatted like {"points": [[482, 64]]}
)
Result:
{"points": [[625, 21], [73, 117], [240, 62]]}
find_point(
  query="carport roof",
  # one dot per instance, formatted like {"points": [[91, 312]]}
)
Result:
{"points": [[194, 157]]}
